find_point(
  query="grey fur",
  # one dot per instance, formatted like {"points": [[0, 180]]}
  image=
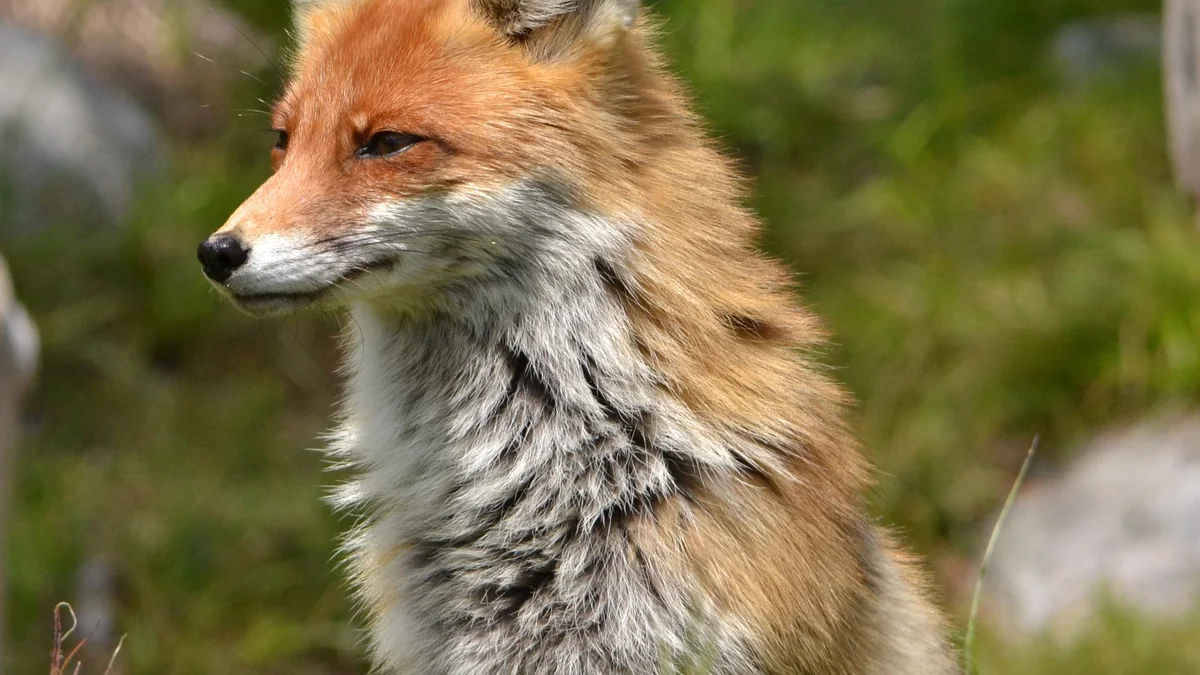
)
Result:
{"points": [[506, 439]]}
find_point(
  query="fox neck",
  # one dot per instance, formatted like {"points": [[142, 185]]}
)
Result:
{"points": [[445, 396], [494, 450]]}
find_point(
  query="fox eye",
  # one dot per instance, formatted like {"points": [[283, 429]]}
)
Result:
{"points": [[282, 142], [388, 143]]}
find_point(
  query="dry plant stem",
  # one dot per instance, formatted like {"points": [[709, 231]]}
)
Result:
{"points": [[113, 659], [59, 663], [969, 642]]}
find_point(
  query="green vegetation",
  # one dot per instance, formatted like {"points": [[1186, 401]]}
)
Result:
{"points": [[998, 255]]}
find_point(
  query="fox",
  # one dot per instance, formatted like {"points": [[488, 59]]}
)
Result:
{"points": [[585, 418]]}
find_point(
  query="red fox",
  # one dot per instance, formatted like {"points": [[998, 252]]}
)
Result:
{"points": [[588, 431]]}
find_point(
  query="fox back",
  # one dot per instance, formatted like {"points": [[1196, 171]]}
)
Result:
{"points": [[587, 431]]}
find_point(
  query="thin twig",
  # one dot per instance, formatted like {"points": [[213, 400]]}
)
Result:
{"points": [[969, 643], [56, 645], [74, 620], [74, 653], [60, 663], [113, 659]]}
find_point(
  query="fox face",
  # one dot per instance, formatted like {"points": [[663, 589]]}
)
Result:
{"points": [[426, 147]]}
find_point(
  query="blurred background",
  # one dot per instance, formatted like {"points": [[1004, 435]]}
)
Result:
{"points": [[976, 194]]}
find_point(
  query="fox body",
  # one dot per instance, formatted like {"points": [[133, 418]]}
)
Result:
{"points": [[587, 432]]}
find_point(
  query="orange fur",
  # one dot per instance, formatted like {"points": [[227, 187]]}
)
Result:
{"points": [[714, 318]]}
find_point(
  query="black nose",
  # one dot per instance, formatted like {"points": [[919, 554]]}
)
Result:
{"points": [[221, 256]]}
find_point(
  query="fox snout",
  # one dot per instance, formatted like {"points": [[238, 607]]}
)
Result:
{"points": [[221, 255]]}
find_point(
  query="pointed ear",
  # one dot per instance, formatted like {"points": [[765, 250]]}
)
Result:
{"points": [[558, 23]]}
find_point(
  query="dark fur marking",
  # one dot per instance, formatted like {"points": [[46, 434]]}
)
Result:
{"points": [[488, 521], [685, 474], [756, 475], [510, 598], [613, 282], [777, 447], [632, 424], [866, 547], [619, 514], [499, 513], [509, 453], [750, 328], [425, 557], [644, 567], [523, 378]]}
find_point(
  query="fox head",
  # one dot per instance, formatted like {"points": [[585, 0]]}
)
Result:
{"points": [[428, 148]]}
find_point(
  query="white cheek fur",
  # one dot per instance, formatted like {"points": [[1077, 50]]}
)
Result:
{"points": [[280, 264], [386, 212], [435, 239]]}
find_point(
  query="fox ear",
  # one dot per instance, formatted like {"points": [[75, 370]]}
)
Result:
{"points": [[558, 22]]}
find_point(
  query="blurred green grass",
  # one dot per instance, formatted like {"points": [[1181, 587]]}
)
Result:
{"points": [[998, 255]]}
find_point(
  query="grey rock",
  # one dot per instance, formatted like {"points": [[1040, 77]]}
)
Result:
{"points": [[1181, 80], [188, 61], [72, 151], [1123, 521], [95, 609], [1085, 51]]}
